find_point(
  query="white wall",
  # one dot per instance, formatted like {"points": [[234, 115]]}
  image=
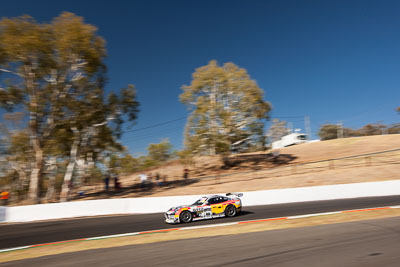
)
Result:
{"points": [[161, 204], [2, 214], [327, 192]]}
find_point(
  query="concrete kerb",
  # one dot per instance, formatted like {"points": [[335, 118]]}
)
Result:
{"points": [[161, 204]]}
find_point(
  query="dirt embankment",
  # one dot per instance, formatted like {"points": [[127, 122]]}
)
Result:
{"points": [[260, 171]]}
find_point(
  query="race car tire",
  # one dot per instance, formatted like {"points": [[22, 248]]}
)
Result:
{"points": [[185, 216], [230, 211]]}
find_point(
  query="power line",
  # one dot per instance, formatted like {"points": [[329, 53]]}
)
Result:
{"points": [[152, 135], [294, 117], [155, 125], [307, 127], [136, 136], [181, 118], [368, 113]]}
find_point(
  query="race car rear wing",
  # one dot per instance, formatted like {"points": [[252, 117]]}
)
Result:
{"points": [[234, 194]]}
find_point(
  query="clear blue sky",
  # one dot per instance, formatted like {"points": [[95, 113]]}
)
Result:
{"points": [[331, 60]]}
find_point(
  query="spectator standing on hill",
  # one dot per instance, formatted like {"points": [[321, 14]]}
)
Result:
{"points": [[185, 173], [150, 181], [158, 179], [143, 180], [117, 184], [107, 182]]}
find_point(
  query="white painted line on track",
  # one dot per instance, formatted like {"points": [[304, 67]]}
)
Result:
{"points": [[112, 236], [12, 249], [207, 226], [313, 215]]}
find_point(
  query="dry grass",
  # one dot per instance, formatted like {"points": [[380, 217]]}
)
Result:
{"points": [[195, 233], [257, 171]]}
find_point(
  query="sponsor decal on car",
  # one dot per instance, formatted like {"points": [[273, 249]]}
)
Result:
{"points": [[207, 207]]}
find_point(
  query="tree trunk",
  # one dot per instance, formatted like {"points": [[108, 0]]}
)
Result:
{"points": [[19, 184], [36, 174], [213, 118], [70, 170], [87, 167], [52, 179], [34, 183], [50, 187], [67, 180]]}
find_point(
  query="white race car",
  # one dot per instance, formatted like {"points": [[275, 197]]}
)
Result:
{"points": [[207, 207]]}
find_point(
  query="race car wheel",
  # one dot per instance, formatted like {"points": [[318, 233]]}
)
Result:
{"points": [[230, 211], [185, 216]]}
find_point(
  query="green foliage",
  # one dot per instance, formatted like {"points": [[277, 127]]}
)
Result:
{"points": [[55, 72], [50, 57], [227, 109], [185, 157], [330, 131], [372, 129], [160, 152], [394, 129], [95, 175], [126, 164], [146, 163], [129, 164], [114, 163]]}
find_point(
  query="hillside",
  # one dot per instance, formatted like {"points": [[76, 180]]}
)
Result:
{"points": [[259, 171]]}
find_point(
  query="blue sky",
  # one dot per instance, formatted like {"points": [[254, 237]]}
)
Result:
{"points": [[330, 60]]}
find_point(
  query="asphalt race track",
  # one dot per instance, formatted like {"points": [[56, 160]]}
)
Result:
{"points": [[22, 234], [363, 243]]}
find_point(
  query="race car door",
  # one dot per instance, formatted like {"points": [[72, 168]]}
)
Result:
{"points": [[216, 206]]}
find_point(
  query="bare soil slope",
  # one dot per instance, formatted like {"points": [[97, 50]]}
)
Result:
{"points": [[296, 166]]}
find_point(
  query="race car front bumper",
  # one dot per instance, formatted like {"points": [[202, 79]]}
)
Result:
{"points": [[170, 218]]}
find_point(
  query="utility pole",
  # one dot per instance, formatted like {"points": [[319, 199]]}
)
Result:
{"points": [[340, 129], [290, 126], [307, 126]]}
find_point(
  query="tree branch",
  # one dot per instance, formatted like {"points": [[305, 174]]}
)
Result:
{"points": [[12, 72]]}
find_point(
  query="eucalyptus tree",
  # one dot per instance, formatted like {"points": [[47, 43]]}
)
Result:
{"points": [[15, 152], [46, 69], [161, 152], [94, 125], [277, 130], [15, 157], [227, 109]]}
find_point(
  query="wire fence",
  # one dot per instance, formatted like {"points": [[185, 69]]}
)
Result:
{"points": [[369, 159], [382, 158]]}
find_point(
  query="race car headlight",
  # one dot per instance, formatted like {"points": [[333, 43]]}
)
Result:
{"points": [[171, 211]]}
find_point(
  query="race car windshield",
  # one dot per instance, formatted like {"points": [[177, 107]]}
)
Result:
{"points": [[200, 202]]}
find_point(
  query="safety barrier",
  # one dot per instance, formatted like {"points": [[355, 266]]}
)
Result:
{"points": [[161, 204]]}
